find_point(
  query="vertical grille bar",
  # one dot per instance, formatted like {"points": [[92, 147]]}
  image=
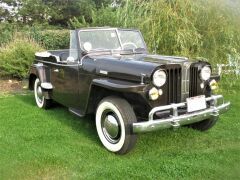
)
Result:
{"points": [[174, 85], [193, 88]]}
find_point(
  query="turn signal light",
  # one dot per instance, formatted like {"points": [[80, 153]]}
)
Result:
{"points": [[153, 94], [213, 84]]}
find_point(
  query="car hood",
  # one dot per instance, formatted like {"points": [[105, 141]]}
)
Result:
{"points": [[131, 67]]}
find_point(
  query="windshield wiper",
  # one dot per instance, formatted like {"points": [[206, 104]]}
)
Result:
{"points": [[133, 51]]}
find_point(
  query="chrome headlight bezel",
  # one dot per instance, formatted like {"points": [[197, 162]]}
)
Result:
{"points": [[205, 73], [159, 78]]}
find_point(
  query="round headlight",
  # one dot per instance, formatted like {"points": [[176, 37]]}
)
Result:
{"points": [[205, 73], [159, 78]]}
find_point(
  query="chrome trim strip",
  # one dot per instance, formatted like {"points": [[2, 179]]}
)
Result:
{"points": [[176, 57], [98, 29], [185, 80], [58, 64], [176, 121]]}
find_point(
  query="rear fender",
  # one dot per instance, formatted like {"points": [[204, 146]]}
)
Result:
{"points": [[43, 73]]}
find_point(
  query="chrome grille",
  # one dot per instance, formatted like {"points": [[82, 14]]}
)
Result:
{"points": [[174, 85], [193, 88]]}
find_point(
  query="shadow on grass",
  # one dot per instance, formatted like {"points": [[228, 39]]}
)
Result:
{"points": [[84, 125]]}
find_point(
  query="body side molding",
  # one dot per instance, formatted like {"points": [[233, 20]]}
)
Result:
{"points": [[119, 85]]}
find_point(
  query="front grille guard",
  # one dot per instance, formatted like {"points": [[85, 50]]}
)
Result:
{"points": [[214, 101], [217, 106]]}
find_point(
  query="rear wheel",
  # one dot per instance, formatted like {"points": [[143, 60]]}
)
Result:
{"points": [[204, 125], [114, 119], [39, 98]]}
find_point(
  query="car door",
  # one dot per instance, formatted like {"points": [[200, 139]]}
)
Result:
{"points": [[64, 77]]}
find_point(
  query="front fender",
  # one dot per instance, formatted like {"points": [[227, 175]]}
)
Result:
{"points": [[103, 87], [216, 77]]}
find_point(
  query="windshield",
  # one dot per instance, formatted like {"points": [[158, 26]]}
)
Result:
{"points": [[99, 40], [131, 39], [110, 39]]}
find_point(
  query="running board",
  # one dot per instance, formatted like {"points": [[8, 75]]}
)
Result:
{"points": [[75, 111]]}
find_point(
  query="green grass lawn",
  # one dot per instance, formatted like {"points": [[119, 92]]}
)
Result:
{"points": [[55, 144]]}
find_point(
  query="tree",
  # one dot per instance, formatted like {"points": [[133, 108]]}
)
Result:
{"points": [[104, 3], [2, 15], [62, 11], [5, 14], [54, 12], [30, 11]]}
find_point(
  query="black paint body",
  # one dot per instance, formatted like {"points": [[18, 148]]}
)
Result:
{"points": [[81, 85]]}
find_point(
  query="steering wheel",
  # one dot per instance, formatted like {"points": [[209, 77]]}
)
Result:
{"points": [[129, 43]]}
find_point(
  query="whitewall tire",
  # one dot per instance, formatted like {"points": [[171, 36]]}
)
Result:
{"points": [[114, 119], [39, 97]]}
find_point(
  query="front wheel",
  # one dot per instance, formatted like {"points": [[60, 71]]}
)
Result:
{"points": [[204, 125], [41, 101], [114, 119]]}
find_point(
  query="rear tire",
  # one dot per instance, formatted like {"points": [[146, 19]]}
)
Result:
{"points": [[204, 125], [114, 119], [41, 101]]}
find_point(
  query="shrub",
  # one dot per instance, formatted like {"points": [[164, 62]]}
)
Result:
{"points": [[51, 39], [17, 56], [6, 33]]}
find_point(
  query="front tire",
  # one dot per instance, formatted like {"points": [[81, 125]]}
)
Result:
{"points": [[114, 119], [204, 125], [41, 101]]}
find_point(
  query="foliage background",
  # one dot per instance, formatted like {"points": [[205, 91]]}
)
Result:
{"points": [[16, 57], [198, 29]]}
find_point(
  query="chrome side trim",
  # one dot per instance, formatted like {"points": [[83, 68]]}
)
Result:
{"points": [[76, 112], [58, 64], [176, 121]]}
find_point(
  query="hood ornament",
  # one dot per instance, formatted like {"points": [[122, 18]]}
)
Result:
{"points": [[142, 78], [187, 65]]}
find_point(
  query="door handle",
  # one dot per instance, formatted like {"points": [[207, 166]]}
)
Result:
{"points": [[56, 70]]}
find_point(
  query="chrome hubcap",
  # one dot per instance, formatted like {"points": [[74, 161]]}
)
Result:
{"points": [[39, 93], [111, 127]]}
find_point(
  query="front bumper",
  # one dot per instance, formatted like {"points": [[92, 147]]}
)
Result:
{"points": [[217, 107]]}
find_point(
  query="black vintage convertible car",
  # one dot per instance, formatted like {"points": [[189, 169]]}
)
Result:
{"points": [[109, 72]]}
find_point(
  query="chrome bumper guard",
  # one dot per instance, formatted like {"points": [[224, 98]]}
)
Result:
{"points": [[217, 107]]}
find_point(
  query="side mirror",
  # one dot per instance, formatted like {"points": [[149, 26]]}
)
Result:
{"points": [[70, 59], [87, 46]]}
